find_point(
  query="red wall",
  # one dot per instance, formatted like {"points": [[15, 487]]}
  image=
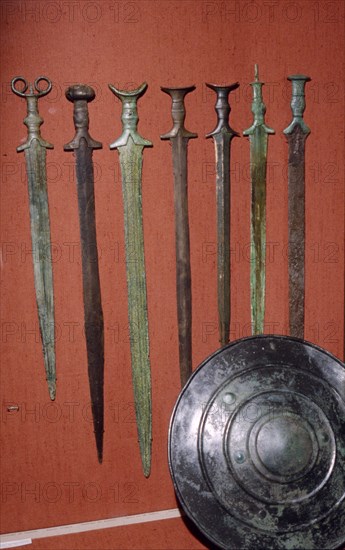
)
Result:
{"points": [[50, 474]]}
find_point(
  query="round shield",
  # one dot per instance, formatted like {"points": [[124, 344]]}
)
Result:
{"points": [[257, 446]]}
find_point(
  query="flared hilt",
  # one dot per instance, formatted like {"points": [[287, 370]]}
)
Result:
{"points": [[33, 121], [298, 103], [258, 107], [80, 95], [222, 108], [178, 112], [129, 116]]}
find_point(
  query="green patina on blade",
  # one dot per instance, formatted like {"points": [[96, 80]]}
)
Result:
{"points": [[258, 137], [130, 146], [35, 156], [43, 272]]}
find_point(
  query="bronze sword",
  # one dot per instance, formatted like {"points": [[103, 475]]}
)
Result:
{"points": [[296, 135], [35, 156], [258, 136], [130, 146], [179, 138], [222, 136], [83, 145]]}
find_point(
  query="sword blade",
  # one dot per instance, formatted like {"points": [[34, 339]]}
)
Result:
{"points": [[258, 155], [83, 146], [258, 137], [35, 157], [130, 146], [296, 231], [131, 165], [93, 315], [296, 135], [222, 147], [182, 246]]}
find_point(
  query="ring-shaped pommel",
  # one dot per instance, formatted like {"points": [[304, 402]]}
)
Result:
{"points": [[34, 90]]}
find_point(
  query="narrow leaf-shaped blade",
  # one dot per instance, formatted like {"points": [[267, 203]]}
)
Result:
{"points": [[131, 163], [93, 314], [130, 146], [35, 157], [82, 144]]}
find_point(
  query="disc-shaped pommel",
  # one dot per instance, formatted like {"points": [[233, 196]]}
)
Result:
{"points": [[298, 82], [222, 108], [178, 112], [221, 90], [80, 92], [299, 77]]}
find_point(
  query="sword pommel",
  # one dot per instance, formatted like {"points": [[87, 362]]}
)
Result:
{"points": [[298, 103], [81, 95], [129, 116], [178, 112], [258, 108], [222, 108], [33, 121]]}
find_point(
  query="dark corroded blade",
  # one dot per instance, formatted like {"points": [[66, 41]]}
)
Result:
{"points": [[296, 134], [179, 138], [83, 146], [258, 136], [130, 146], [222, 136], [35, 155]]}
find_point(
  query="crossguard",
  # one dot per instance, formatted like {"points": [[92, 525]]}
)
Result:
{"points": [[33, 120], [35, 86], [222, 108], [129, 116], [178, 112]]}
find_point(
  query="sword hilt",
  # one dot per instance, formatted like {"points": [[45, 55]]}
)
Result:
{"points": [[178, 112], [298, 103], [33, 121], [129, 116], [222, 108], [258, 107], [80, 95]]}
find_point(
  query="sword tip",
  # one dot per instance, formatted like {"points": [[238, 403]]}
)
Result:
{"points": [[99, 440], [146, 464], [52, 390]]}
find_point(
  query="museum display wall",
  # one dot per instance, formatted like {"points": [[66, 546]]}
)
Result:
{"points": [[50, 473]]}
